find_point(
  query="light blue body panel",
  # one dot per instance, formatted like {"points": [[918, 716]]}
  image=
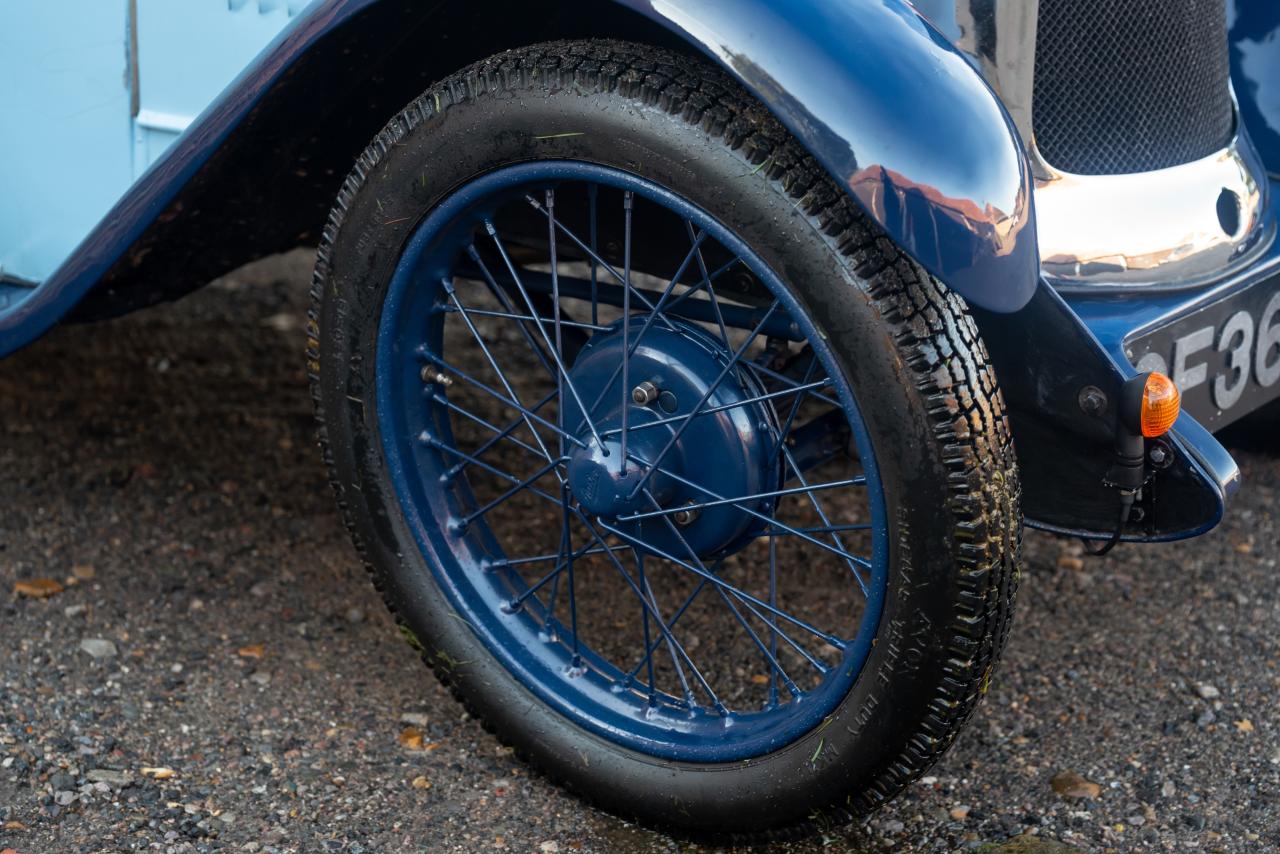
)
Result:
{"points": [[94, 92], [64, 108]]}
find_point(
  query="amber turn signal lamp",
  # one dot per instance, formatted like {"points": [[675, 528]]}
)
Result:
{"points": [[1159, 406]]}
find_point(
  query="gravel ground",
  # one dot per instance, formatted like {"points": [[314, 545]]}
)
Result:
{"points": [[213, 671]]}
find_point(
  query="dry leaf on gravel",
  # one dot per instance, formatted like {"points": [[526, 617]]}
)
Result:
{"points": [[1245, 725], [1070, 562], [410, 737], [421, 783], [253, 650], [158, 773], [1069, 784], [37, 588]]}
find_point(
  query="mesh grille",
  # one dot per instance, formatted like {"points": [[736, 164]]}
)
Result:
{"points": [[1130, 85]]}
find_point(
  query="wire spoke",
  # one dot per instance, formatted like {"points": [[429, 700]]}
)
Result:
{"points": [[562, 377], [721, 583], [494, 288], [724, 407], [626, 347], [592, 193], [675, 618], [555, 353], [563, 559], [493, 363], [696, 239], [785, 452], [499, 434], [773, 521], [525, 413], [591, 253], [644, 617], [585, 551], [526, 318], [506, 496], [824, 529], [792, 384], [794, 490], [771, 620], [449, 449], [673, 645], [707, 280], [629, 349], [771, 656], [826, 521]]}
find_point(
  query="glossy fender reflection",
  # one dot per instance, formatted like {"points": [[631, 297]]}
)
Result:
{"points": [[898, 115], [1255, 72]]}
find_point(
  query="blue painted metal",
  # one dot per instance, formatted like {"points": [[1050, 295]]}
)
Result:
{"points": [[468, 560], [1255, 73], [682, 360], [882, 100]]}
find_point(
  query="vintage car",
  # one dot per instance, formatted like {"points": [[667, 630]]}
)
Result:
{"points": [[686, 368]]}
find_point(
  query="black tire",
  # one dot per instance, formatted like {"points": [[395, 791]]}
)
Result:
{"points": [[920, 371]]}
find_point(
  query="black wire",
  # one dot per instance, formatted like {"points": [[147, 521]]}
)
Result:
{"points": [[1126, 506]]}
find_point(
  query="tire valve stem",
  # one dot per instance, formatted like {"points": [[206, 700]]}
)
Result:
{"points": [[431, 375]]}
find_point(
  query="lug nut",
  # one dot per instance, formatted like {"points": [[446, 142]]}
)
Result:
{"points": [[645, 393]]}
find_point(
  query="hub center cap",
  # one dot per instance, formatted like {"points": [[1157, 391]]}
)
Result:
{"points": [[602, 486], [721, 454]]}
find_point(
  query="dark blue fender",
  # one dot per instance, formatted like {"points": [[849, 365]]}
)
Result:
{"points": [[892, 110], [1255, 73]]}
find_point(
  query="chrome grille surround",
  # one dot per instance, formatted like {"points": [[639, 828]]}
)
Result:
{"points": [[1181, 226]]}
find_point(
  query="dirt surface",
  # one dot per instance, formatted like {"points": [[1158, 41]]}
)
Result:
{"points": [[213, 671]]}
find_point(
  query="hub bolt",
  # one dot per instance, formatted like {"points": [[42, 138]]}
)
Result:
{"points": [[645, 393], [685, 517]]}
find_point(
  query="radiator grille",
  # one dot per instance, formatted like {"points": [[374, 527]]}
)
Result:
{"points": [[1131, 85]]}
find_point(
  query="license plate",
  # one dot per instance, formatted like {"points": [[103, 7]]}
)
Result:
{"points": [[1224, 357]]}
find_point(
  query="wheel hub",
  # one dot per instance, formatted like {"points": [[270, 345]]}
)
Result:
{"points": [[724, 452], [604, 487]]}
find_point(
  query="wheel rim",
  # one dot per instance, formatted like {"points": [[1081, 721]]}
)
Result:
{"points": [[653, 603]]}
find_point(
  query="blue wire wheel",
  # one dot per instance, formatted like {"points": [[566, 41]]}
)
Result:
{"points": [[631, 461]]}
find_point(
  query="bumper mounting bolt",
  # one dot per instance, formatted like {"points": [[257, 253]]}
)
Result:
{"points": [[1093, 401]]}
